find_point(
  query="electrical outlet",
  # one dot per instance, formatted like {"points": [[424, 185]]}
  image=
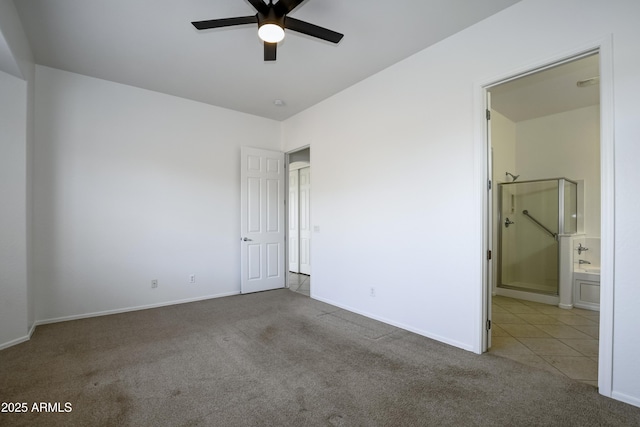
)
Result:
{"points": [[372, 292], [154, 283], [192, 278]]}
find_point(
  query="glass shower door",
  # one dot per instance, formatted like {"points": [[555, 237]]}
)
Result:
{"points": [[528, 236]]}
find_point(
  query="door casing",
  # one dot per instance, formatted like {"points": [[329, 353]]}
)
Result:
{"points": [[604, 47]]}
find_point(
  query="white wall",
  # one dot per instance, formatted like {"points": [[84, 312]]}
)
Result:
{"points": [[14, 325], [16, 144], [565, 144], [131, 186], [410, 216], [402, 219], [16, 57]]}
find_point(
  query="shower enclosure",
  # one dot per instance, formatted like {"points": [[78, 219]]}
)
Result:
{"points": [[532, 214]]}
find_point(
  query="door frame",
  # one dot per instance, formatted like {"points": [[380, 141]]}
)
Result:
{"points": [[286, 216], [299, 165], [482, 149]]}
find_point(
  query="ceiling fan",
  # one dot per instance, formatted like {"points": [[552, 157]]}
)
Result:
{"points": [[272, 20]]}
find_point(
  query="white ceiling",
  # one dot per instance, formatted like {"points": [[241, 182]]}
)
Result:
{"points": [[151, 44], [550, 91]]}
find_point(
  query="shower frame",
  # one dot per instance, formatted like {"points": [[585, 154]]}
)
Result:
{"points": [[561, 181]]}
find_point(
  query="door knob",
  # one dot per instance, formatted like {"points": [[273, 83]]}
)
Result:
{"points": [[246, 239], [508, 222]]}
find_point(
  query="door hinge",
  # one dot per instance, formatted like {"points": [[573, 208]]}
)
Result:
{"points": [[488, 114], [488, 325], [488, 255], [489, 185]]}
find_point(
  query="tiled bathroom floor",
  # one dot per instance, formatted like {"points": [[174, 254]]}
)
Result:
{"points": [[299, 283], [544, 336]]}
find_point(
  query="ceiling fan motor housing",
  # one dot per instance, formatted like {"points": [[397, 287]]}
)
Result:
{"points": [[270, 18]]}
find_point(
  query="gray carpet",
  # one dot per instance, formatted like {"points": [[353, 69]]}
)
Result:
{"points": [[279, 359]]}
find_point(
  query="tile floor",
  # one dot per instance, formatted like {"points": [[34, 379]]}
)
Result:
{"points": [[299, 283], [544, 336]]}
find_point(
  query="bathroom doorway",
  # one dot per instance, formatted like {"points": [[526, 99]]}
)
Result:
{"points": [[544, 131]]}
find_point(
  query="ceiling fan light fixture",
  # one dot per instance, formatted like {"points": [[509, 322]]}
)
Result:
{"points": [[271, 33], [272, 20]]}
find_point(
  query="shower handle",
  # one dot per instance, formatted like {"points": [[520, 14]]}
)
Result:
{"points": [[508, 222]]}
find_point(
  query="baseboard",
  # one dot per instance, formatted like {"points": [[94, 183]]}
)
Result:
{"points": [[14, 342], [626, 398], [32, 330], [400, 325], [529, 296], [19, 340], [128, 309]]}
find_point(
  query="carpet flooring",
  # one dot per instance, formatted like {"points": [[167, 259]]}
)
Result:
{"points": [[277, 358]]}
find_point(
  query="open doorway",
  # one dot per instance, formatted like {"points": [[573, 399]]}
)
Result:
{"points": [[299, 221], [545, 204]]}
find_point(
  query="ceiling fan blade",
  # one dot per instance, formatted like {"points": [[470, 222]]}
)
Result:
{"points": [[285, 6], [312, 30], [260, 6], [225, 22], [270, 51]]}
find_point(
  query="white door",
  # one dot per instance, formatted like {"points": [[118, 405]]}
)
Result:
{"points": [[294, 263], [304, 220], [262, 220]]}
